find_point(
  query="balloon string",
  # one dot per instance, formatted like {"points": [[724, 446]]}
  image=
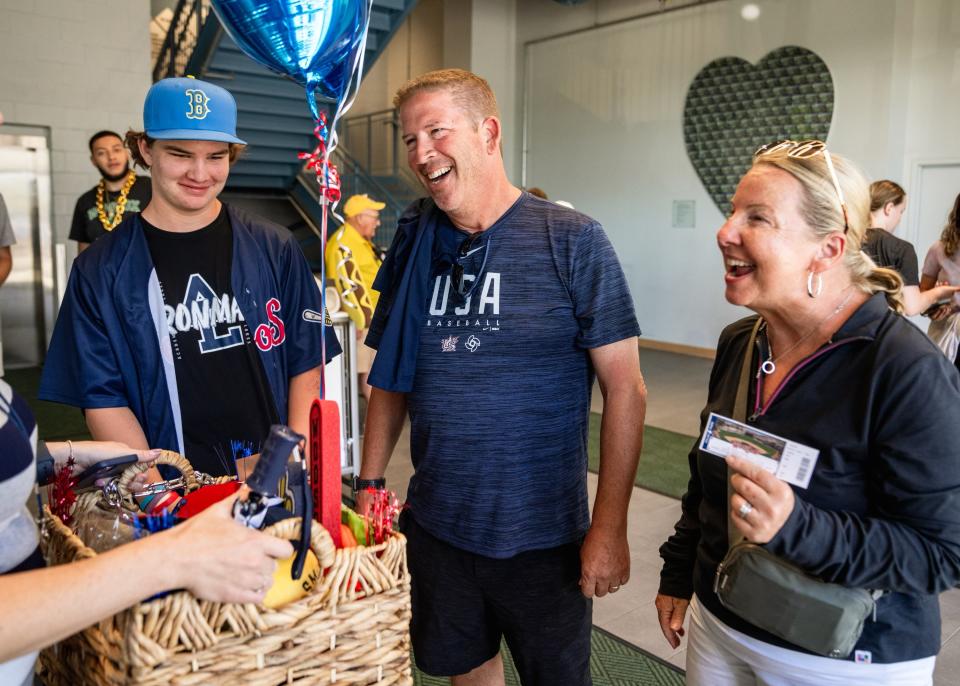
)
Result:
{"points": [[318, 162], [356, 75], [329, 180], [323, 300], [328, 177]]}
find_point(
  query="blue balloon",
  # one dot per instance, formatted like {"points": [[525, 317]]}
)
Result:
{"points": [[314, 42]]}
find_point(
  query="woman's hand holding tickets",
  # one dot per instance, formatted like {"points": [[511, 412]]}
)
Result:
{"points": [[760, 503]]}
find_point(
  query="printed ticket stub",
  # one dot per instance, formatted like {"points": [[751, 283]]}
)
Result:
{"points": [[788, 460]]}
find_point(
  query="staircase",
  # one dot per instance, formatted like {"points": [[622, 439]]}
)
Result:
{"points": [[371, 159], [397, 194], [272, 113]]}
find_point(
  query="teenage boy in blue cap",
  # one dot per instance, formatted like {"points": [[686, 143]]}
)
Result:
{"points": [[187, 327]]}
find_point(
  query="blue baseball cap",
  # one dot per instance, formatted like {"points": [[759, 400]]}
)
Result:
{"points": [[189, 109]]}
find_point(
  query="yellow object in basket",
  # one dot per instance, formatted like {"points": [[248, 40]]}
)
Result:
{"points": [[286, 590]]}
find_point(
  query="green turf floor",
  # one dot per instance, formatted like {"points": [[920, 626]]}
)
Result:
{"points": [[663, 463], [56, 422], [613, 662]]}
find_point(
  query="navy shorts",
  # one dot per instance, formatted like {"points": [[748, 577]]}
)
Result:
{"points": [[464, 603]]}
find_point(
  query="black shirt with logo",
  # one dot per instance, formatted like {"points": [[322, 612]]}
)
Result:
{"points": [[86, 226], [225, 399]]}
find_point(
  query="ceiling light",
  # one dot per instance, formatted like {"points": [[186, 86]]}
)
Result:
{"points": [[750, 11]]}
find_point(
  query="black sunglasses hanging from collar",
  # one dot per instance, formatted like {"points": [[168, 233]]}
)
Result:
{"points": [[461, 285]]}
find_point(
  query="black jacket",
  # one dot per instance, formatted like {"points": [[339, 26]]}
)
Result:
{"points": [[882, 511]]}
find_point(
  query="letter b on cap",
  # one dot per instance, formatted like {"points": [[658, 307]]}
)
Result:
{"points": [[198, 103]]}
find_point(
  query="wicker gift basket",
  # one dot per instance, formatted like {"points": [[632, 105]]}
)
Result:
{"points": [[352, 628]]}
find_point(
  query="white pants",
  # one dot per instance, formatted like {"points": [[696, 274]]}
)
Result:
{"points": [[720, 656]]}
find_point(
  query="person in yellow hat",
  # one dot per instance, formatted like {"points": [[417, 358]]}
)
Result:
{"points": [[352, 265]]}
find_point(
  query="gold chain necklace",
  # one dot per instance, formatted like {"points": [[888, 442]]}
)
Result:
{"points": [[111, 224]]}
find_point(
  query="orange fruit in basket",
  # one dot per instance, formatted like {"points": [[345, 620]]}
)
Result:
{"points": [[286, 590], [347, 539]]}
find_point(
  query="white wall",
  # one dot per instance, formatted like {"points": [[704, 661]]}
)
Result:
{"points": [[457, 33], [75, 66], [928, 96], [477, 35], [896, 71], [606, 111], [543, 19], [416, 47], [493, 55]]}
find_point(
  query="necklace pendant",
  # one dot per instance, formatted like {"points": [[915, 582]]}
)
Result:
{"points": [[768, 367]]}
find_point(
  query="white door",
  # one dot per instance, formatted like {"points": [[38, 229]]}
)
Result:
{"points": [[26, 299]]}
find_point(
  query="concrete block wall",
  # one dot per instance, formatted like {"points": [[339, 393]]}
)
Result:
{"points": [[75, 67]]}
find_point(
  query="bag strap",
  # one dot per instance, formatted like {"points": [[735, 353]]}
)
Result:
{"points": [[740, 414]]}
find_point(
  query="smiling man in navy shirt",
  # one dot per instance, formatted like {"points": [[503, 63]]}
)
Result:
{"points": [[497, 309]]}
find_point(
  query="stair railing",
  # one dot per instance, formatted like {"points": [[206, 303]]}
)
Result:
{"points": [[349, 168], [355, 179], [375, 140], [178, 46]]}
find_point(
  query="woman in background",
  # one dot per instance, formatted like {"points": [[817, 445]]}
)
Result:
{"points": [[942, 264], [888, 202]]}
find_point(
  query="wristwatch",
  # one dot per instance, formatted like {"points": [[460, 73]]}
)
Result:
{"points": [[363, 484]]}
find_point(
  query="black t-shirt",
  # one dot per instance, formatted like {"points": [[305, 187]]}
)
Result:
{"points": [[889, 251], [225, 399], [86, 226]]}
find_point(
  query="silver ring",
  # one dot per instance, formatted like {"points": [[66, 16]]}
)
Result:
{"points": [[614, 588], [745, 509]]}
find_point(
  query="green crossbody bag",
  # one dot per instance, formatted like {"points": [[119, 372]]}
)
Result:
{"points": [[780, 598]]}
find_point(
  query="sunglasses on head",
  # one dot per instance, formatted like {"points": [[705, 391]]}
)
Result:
{"points": [[802, 150]]}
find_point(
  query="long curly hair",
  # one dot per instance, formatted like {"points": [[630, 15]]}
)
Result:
{"points": [[950, 236]]}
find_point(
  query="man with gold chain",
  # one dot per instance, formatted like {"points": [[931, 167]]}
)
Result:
{"points": [[119, 193]]}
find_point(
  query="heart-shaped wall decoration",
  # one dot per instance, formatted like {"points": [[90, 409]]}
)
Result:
{"points": [[734, 107]]}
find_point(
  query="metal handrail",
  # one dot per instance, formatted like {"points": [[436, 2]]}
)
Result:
{"points": [[389, 110], [188, 19], [380, 155], [355, 179]]}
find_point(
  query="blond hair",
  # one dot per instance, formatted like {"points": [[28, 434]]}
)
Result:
{"points": [[822, 211], [132, 139], [950, 236], [472, 93]]}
